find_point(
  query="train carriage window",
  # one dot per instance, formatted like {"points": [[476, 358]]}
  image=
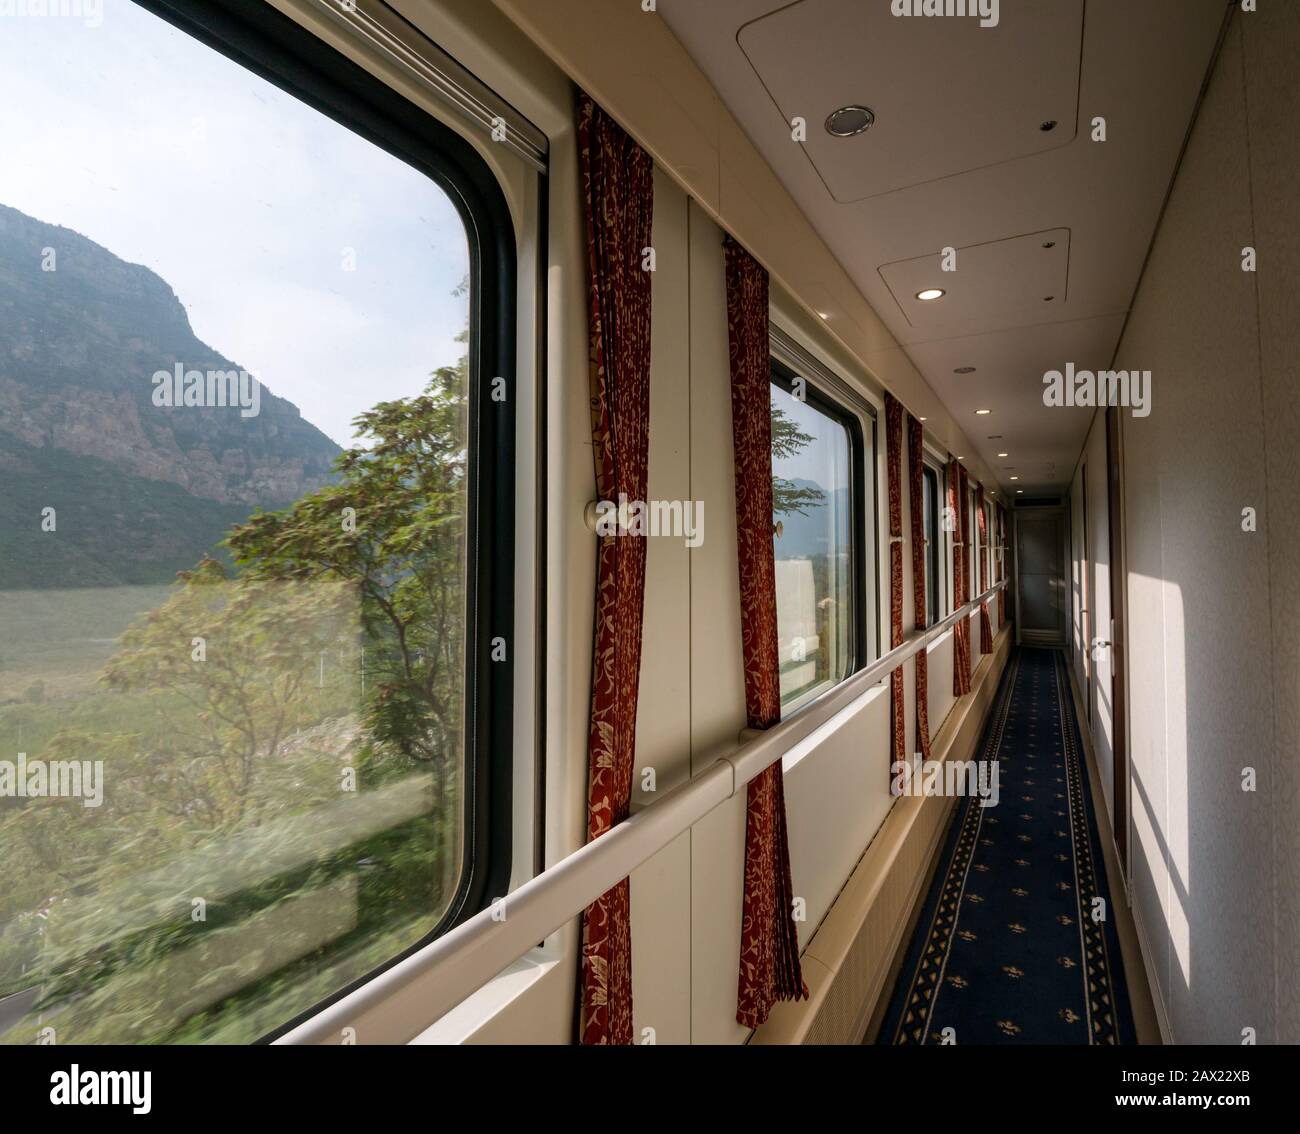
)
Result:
{"points": [[816, 448], [252, 545], [930, 494], [990, 544]]}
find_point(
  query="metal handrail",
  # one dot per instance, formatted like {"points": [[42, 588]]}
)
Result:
{"points": [[465, 958]]}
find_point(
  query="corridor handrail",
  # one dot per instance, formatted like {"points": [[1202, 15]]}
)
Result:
{"points": [[465, 958]]}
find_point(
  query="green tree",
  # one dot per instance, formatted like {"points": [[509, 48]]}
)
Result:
{"points": [[226, 664], [224, 744], [393, 525], [787, 440]]}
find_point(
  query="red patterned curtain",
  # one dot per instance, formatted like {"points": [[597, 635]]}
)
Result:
{"points": [[618, 199], [961, 629], [893, 457], [916, 502], [986, 631], [1002, 565], [769, 945]]}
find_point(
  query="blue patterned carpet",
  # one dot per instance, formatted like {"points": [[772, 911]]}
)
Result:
{"points": [[1007, 950]]}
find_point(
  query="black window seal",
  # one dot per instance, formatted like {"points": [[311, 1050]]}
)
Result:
{"points": [[263, 40]]}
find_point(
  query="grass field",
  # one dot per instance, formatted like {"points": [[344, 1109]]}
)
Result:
{"points": [[63, 637]]}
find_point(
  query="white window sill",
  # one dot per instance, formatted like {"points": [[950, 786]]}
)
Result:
{"points": [[933, 645], [810, 742], [494, 998]]}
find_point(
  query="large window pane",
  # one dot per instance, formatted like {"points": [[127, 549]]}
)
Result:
{"points": [[930, 486], [233, 447], [813, 508]]}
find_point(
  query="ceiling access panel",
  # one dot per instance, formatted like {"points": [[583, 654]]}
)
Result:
{"points": [[993, 284], [948, 94]]}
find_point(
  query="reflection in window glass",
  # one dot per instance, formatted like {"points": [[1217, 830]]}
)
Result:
{"points": [[232, 549], [991, 545], [930, 492], [812, 508]]}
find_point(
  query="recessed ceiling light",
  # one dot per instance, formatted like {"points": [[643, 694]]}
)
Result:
{"points": [[849, 120], [920, 419], [824, 314], [961, 458], [1003, 454], [1020, 491], [1015, 478], [964, 370], [929, 293], [982, 412]]}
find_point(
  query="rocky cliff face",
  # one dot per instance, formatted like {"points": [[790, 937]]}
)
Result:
{"points": [[79, 347]]}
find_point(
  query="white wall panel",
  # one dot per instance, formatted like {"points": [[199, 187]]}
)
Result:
{"points": [[940, 699], [1203, 867], [836, 797], [661, 987], [717, 680], [1099, 615], [1272, 43]]}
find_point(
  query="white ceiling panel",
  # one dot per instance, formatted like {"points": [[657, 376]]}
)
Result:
{"points": [[956, 159], [997, 284], [948, 95]]}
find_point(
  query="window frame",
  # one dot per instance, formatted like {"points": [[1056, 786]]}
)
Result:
{"points": [[989, 537], [973, 545], [932, 498], [783, 376], [273, 46]]}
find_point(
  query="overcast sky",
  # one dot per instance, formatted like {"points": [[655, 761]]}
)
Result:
{"points": [[823, 460], [242, 199]]}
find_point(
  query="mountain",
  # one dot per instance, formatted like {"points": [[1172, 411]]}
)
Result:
{"points": [[139, 490]]}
